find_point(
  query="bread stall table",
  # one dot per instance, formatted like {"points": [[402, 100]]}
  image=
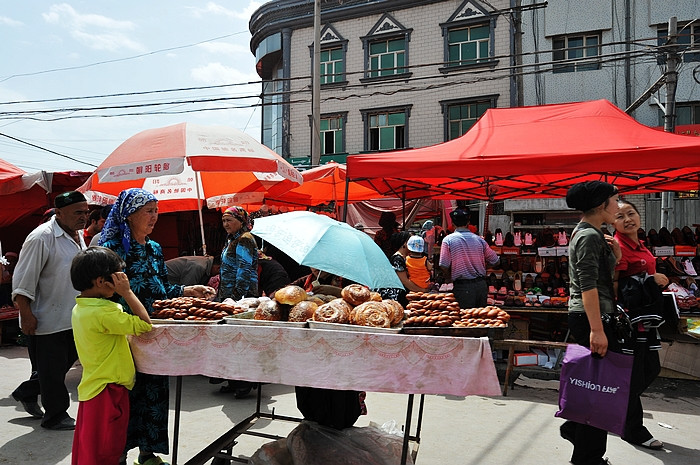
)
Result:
{"points": [[393, 362]]}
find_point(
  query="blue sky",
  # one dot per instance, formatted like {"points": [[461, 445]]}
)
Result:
{"points": [[52, 50]]}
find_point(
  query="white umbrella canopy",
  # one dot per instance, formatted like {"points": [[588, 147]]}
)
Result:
{"points": [[326, 244]]}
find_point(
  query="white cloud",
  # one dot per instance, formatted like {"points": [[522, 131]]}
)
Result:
{"points": [[94, 31], [216, 74], [216, 9], [5, 21], [224, 48]]}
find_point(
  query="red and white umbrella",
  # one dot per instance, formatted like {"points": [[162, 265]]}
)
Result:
{"points": [[185, 164]]}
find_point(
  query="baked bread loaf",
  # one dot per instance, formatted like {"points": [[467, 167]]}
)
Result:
{"points": [[290, 295], [303, 311], [335, 311], [268, 310], [355, 294], [371, 314], [375, 296], [395, 310]]}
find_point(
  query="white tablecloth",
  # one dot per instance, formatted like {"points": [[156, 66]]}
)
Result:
{"points": [[398, 363]]}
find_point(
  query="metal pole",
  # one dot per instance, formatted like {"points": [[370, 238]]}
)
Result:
{"points": [[670, 108], [316, 89], [198, 182]]}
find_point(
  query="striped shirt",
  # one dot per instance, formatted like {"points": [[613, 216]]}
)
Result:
{"points": [[466, 254]]}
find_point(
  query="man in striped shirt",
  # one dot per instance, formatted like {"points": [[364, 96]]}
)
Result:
{"points": [[463, 259]]}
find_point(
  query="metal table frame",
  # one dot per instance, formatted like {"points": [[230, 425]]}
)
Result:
{"points": [[222, 447]]}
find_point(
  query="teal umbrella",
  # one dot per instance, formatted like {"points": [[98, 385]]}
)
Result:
{"points": [[326, 244]]}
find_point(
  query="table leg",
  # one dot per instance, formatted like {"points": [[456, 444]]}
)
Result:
{"points": [[176, 427], [509, 369], [407, 431]]}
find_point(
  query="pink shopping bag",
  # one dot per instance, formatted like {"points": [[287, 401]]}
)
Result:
{"points": [[595, 391]]}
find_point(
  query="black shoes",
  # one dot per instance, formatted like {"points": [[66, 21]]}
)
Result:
{"points": [[67, 424], [31, 407]]}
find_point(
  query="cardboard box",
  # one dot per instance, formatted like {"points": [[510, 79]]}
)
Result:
{"points": [[510, 250], [496, 249], [665, 251], [682, 357], [525, 359], [547, 251], [562, 251], [542, 357], [685, 250]]}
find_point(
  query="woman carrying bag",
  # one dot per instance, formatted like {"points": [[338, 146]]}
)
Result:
{"points": [[637, 260], [592, 259]]}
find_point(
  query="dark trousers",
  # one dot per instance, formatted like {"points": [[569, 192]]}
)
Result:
{"points": [[54, 355], [645, 369], [590, 443], [28, 391], [471, 293]]}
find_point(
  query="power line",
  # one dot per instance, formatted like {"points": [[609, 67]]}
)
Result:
{"points": [[48, 150]]}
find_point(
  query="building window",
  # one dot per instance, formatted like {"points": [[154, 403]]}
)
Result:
{"points": [[332, 66], [468, 45], [386, 50], [688, 41], [686, 113], [387, 57], [387, 128], [332, 139], [576, 52], [461, 117]]}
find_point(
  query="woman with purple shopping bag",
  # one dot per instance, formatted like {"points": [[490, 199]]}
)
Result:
{"points": [[592, 259]]}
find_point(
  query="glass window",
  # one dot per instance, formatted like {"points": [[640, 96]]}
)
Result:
{"points": [[462, 116], [387, 131], [688, 41], [585, 48], [332, 66], [387, 57], [332, 135], [468, 45]]}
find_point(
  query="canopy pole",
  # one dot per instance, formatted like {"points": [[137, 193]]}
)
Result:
{"points": [[345, 200], [198, 181]]}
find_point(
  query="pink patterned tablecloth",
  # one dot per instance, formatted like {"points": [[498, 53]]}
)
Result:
{"points": [[398, 363]]}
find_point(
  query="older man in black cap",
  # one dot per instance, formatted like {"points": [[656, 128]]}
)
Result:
{"points": [[463, 259], [45, 301]]}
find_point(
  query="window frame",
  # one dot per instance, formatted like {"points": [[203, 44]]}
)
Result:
{"points": [[581, 63], [692, 42], [366, 121], [335, 41], [446, 105], [375, 36], [455, 22], [343, 116]]}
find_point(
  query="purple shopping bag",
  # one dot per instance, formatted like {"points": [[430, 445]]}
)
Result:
{"points": [[595, 391]]}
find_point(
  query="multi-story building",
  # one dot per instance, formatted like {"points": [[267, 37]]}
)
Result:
{"points": [[394, 73], [410, 73]]}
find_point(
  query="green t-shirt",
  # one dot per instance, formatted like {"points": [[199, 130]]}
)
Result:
{"points": [[100, 327], [591, 266]]}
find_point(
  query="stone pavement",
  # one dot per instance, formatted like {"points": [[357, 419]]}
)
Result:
{"points": [[519, 429]]}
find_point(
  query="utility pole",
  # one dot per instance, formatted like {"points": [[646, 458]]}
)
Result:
{"points": [[316, 89], [672, 59]]}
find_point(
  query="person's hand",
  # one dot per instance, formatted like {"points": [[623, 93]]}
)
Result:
{"points": [[615, 246], [661, 279], [121, 283], [199, 290], [599, 343], [29, 323]]}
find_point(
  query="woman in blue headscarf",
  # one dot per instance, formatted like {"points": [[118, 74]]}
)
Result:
{"points": [[126, 231], [239, 259]]}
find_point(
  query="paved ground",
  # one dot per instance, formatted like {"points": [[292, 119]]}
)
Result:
{"points": [[519, 429]]}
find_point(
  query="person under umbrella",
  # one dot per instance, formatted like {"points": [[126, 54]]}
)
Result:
{"points": [[238, 274], [130, 221]]}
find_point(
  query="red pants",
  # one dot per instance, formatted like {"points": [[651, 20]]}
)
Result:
{"points": [[100, 429]]}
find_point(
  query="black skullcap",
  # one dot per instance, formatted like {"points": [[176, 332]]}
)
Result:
{"points": [[587, 195], [459, 217], [68, 198]]}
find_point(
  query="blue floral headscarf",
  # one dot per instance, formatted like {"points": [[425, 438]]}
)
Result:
{"points": [[128, 202]]}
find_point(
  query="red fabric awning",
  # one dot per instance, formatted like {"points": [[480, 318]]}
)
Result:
{"points": [[537, 151]]}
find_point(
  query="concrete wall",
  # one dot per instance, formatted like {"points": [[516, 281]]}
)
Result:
{"points": [[425, 124]]}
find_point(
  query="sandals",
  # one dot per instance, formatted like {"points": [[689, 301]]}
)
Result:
{"points": [[653, 444]]}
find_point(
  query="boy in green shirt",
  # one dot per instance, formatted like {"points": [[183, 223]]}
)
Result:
{"points": [[100, 327]]}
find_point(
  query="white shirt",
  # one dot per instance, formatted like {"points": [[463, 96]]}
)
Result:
{"points": [[42, 275]]}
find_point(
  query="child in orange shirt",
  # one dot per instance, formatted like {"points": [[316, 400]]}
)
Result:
{"points": [[418, 266]]}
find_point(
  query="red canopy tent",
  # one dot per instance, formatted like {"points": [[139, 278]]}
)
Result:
{"points": [[20, 193], [536, 152]]}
